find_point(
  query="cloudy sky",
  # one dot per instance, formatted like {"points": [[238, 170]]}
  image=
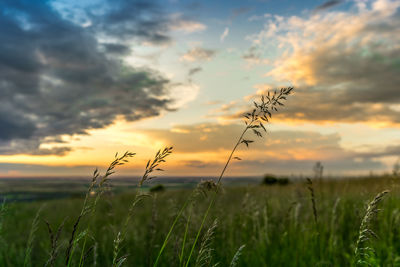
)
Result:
{"points": [[81, 80]]}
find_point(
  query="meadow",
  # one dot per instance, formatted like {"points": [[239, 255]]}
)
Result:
{"points": [[269, 225]]}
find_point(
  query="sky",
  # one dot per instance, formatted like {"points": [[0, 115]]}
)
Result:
{"points": [[82, 80]]}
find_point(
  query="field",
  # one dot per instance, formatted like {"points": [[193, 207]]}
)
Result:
{"points": [[256, 225]]}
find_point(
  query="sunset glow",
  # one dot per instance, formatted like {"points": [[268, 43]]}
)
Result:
{"points": [[82, 80]]}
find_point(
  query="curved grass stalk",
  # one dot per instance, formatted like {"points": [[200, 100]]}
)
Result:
{"points": [[260, 113], [87, 208], [151, 166], [363, 253], [214, 197]]}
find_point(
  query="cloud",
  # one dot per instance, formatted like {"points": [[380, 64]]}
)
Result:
{"points": [[279, 151], [241, 11], [131, 20], [212, 137], [253, 56], [193, 71], [198, 54], [186, 26], [224, 34], [30, 170], [343, 72], [57, 79], [199, 164], [186, 92], [328, 4], [116, 49]]}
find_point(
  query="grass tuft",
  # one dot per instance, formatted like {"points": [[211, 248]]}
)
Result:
{"points": [[364, 253]]}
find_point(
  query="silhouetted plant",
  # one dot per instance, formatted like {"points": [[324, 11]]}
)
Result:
{"points": [[87, 207], [54, 238], [396, 169], [313, 200], [254, 120], [318, 170], [151, 166]]}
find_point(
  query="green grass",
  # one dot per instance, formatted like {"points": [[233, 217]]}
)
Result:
{"points": [[275, 223]]}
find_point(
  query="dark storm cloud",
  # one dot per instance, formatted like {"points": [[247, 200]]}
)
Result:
{"points": [[128, 19], [117, 49], [57, 79], [32, 146]]}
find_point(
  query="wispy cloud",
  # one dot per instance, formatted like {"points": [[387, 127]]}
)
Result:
{"points": [[198, 54], [179, 23], [224, 34], [254, 57], [195, 70], [327, 5]]}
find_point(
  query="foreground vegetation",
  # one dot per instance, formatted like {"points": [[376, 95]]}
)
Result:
{"points": [[273, 226]]}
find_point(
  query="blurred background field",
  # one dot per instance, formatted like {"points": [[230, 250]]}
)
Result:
{"points": [[275, 223]]}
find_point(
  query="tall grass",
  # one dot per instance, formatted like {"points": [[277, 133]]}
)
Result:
{"points": [[276, 232], [364, 254], [261, 113], [90, 206], [31, 237], [151, 167]]}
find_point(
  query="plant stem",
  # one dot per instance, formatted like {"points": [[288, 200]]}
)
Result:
{"points": [[216, 191], [171, 229], [184, 238]]}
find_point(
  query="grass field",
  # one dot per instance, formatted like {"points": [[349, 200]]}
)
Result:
{"points": [[273, 226]]}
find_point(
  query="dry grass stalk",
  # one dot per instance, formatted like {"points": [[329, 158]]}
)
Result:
{"points": [[31, 237], [313, 200], [205, 253], [54, 237], [86, 207], [152, 166], [254, 120]]}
